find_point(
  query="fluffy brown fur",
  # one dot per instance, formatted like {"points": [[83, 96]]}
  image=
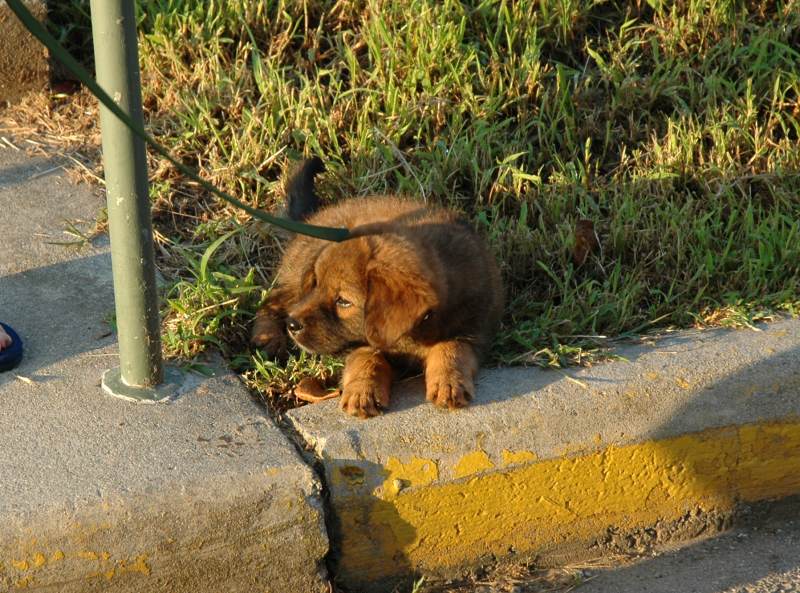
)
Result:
{"points": [[414, 285]]}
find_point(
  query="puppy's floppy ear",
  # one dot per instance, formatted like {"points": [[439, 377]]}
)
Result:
{"points": [[401, 290]]}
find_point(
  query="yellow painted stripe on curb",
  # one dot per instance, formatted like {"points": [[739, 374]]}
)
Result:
{"points": [[555, 502]]}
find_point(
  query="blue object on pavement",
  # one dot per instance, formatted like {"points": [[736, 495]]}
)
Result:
{"points": [[10, 357]]}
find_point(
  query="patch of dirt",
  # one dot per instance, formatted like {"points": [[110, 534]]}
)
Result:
{"points": [[522, 577], [694, 523], [23, 60]]}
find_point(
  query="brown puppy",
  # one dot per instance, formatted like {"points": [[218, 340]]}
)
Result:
{"points": [[414, 285]]}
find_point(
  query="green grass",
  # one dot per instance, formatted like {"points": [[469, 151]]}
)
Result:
{"points": [[672, 126]]}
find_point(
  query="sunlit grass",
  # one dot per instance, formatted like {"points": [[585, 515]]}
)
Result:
{"points": [[672, 127]]}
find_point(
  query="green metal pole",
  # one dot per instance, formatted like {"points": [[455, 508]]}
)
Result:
{"points": [[130, 227]]}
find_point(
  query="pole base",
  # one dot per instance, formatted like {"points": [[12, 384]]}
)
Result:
{"points": [[114, 385]]}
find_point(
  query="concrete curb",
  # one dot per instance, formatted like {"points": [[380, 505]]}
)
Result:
{"points": [[206, 494], [203, 494], [23, 60], [564, 465]]}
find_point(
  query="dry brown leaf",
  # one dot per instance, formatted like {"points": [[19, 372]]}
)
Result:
{"points": [[312, 391]]}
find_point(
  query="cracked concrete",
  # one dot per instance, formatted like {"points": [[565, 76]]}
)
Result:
{"points": [[97, 494]]}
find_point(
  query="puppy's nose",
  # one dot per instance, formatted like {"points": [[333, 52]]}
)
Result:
{"points": [[293, 325]]}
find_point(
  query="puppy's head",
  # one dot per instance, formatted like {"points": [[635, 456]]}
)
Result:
{"points": [[368, 290]]}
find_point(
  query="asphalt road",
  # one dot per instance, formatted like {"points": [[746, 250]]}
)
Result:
{"points": [[762, 557]]}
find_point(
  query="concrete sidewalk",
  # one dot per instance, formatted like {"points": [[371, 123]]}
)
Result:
{"points": [[206, 494], [203, 494]]}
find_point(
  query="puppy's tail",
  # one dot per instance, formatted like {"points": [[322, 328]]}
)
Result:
{"points": [[301, 199]]}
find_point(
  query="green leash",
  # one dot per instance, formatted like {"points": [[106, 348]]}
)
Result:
{"points": [[38, 31]]}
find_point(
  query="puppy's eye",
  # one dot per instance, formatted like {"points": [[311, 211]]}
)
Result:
{"points": [[343, 303]]}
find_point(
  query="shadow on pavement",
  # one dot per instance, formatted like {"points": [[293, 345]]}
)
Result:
{"points": [[60, 311]]}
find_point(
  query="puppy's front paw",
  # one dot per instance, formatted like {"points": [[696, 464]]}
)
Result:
{"points": [[448, 389], [364, 399]]}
